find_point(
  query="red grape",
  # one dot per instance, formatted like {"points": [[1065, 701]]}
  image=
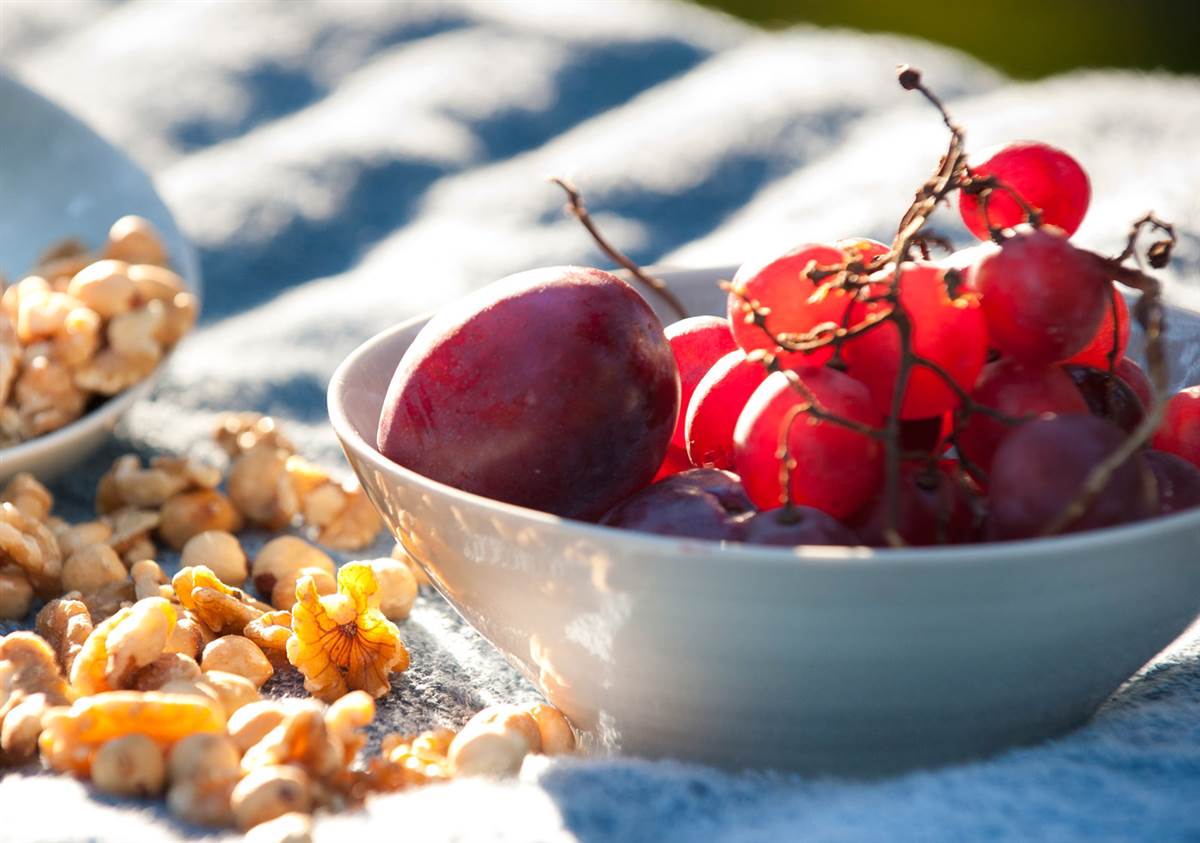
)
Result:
{"points": [[697, 342], [934, 509], [946, 330], [1042, 467], [1179, 432], [1043, 298], [716, 404], [1133, 375], [1045, 177], [1178, 481], [1107, 396], [1017, 391], [700, 503], [1096, 352], [483, 400], [795, 305], [836, 469], [797, 525]]}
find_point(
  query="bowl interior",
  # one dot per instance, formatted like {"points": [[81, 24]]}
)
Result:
{"points": [[60, 179]]}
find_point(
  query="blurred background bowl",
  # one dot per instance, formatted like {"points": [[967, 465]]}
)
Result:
{"points": [[60, 179], [830, 660]]}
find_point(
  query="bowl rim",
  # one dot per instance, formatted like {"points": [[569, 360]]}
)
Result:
{"points": [[185, 264], [978, 553]]}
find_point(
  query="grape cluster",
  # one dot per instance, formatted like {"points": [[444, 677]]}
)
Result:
{"points": [[855, 392], [859, 392]]}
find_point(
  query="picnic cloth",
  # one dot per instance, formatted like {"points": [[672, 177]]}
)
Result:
{"points": [[344, 165]]}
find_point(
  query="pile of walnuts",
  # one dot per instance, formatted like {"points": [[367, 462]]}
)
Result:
{"points": [[109, 562], [82, 326], [149, 685]]}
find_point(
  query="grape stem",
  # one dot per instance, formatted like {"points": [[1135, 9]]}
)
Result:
{"points": [[819, 336], [966, 402], [1159, 253], [969, 467], [814, 408], [578, 209], [985, 186], [787, 462]]}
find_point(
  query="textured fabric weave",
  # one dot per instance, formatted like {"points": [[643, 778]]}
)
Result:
{"points": [[342, 166]]}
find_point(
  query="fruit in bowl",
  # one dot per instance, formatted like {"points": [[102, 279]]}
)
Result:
{"points": [[907, 400], [677, 636]]}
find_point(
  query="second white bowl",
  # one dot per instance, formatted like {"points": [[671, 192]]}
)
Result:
{"points": [[60, 179]]}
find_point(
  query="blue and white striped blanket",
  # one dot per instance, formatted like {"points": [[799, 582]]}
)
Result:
{"points": [[344, 165]]}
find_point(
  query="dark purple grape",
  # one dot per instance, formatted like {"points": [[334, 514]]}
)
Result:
{"points": [[702, 503], [934, 509], [553, 389], [790, 526], [1107, 396], [1042, 466], [1178, 481]]}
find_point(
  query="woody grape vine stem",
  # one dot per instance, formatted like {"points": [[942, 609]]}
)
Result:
{"points": [[577, 208]]}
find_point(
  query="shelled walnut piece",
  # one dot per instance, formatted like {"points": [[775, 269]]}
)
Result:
{"points": [[342, 641], [397, 587], [130, 533], [276, 484], [149, 580], [271, 485], [80, 327], [220, 552], [281, 562], [131, 765], [271, 631], [234, 691], [122, 645], [30, 682], [237, 433], [29, 496], [65, 624], [261, 489], [71, 736], [128, 483], [26, 543], [223, 609], [238, 655]]}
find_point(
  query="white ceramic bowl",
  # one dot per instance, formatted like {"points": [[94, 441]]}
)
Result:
{"points": [[60, 179], [840, 660]]}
